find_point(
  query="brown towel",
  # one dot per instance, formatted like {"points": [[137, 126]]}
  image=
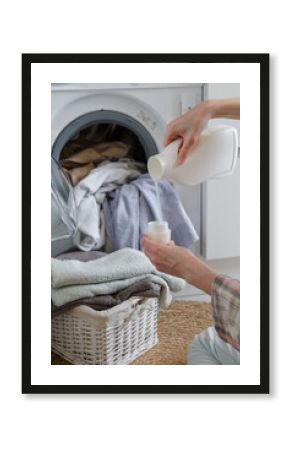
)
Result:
{"points": [[92, 135], [143, 288], [79, 164]]}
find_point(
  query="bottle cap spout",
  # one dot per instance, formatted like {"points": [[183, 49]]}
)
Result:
{"points": [[156, 168], [159, 165]]}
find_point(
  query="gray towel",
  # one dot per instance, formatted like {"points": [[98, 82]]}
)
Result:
{"points": [[81, 256], [129, 208], [72, 280], [143, 288]]}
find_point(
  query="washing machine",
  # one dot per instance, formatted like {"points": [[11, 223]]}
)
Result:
{"points": [[144, 109]]}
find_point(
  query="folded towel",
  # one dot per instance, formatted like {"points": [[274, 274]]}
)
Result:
{"points": [[72, 280], [129, 208], [123, 264], [81, 256], [143, 288]]}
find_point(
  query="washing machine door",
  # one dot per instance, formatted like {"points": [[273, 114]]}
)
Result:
{"points": [[64, 214], [75, 111]]}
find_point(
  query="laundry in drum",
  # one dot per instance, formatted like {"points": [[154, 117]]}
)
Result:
{"points": [[111, 197], [81, 163], [99, 143]]}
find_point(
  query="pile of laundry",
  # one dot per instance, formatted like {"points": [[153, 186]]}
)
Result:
{"points": [[113, 195], [102, 281]]}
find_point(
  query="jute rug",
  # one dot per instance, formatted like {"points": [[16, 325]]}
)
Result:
{"points": [[177, 326]]}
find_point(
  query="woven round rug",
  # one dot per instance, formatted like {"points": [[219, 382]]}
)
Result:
{"points": [[177, 326]]}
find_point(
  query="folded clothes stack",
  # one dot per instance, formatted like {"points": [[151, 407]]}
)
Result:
{"points": [[102, 281]]}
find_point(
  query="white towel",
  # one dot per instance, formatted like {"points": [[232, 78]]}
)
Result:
{"points": [[72, 279], [89, 195]]}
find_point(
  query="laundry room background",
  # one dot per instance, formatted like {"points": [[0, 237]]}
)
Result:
{"points": [[137, 114]]}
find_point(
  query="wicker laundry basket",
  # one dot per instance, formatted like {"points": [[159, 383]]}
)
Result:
{"points": [[114, 336]]}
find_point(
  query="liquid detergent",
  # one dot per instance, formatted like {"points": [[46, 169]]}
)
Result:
{"points": [[214, 156], [158, 202]]}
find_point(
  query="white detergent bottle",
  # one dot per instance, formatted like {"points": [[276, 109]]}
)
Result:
{"points": [[214, 156]]}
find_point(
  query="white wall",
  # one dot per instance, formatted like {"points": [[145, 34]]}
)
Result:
{"points": [[221, 198]]}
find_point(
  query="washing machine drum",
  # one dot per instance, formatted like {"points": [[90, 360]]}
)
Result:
{"points": [[93, 128], [100, 126]]}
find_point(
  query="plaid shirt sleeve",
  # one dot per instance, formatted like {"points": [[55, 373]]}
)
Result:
{"points": [[225, 301]]}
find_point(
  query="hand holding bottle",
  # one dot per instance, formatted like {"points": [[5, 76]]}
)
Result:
{"points": [[180, 262], [190, 125]]}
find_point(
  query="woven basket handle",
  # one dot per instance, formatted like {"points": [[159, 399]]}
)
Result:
{"points": [[136, 310]]}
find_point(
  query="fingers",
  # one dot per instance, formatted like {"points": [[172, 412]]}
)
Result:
{"points": [[188, 144], [172, 132], [154, 251], [150, 246], [170, 137], [188, 139], [182, 155], [167, 258]]}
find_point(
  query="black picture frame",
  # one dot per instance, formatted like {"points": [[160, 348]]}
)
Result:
{"points": [[263, 61]]}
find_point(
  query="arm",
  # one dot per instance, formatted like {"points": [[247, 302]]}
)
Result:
{"points": [[180, 262], [224, 291], [226, 108], [190, 125]]}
